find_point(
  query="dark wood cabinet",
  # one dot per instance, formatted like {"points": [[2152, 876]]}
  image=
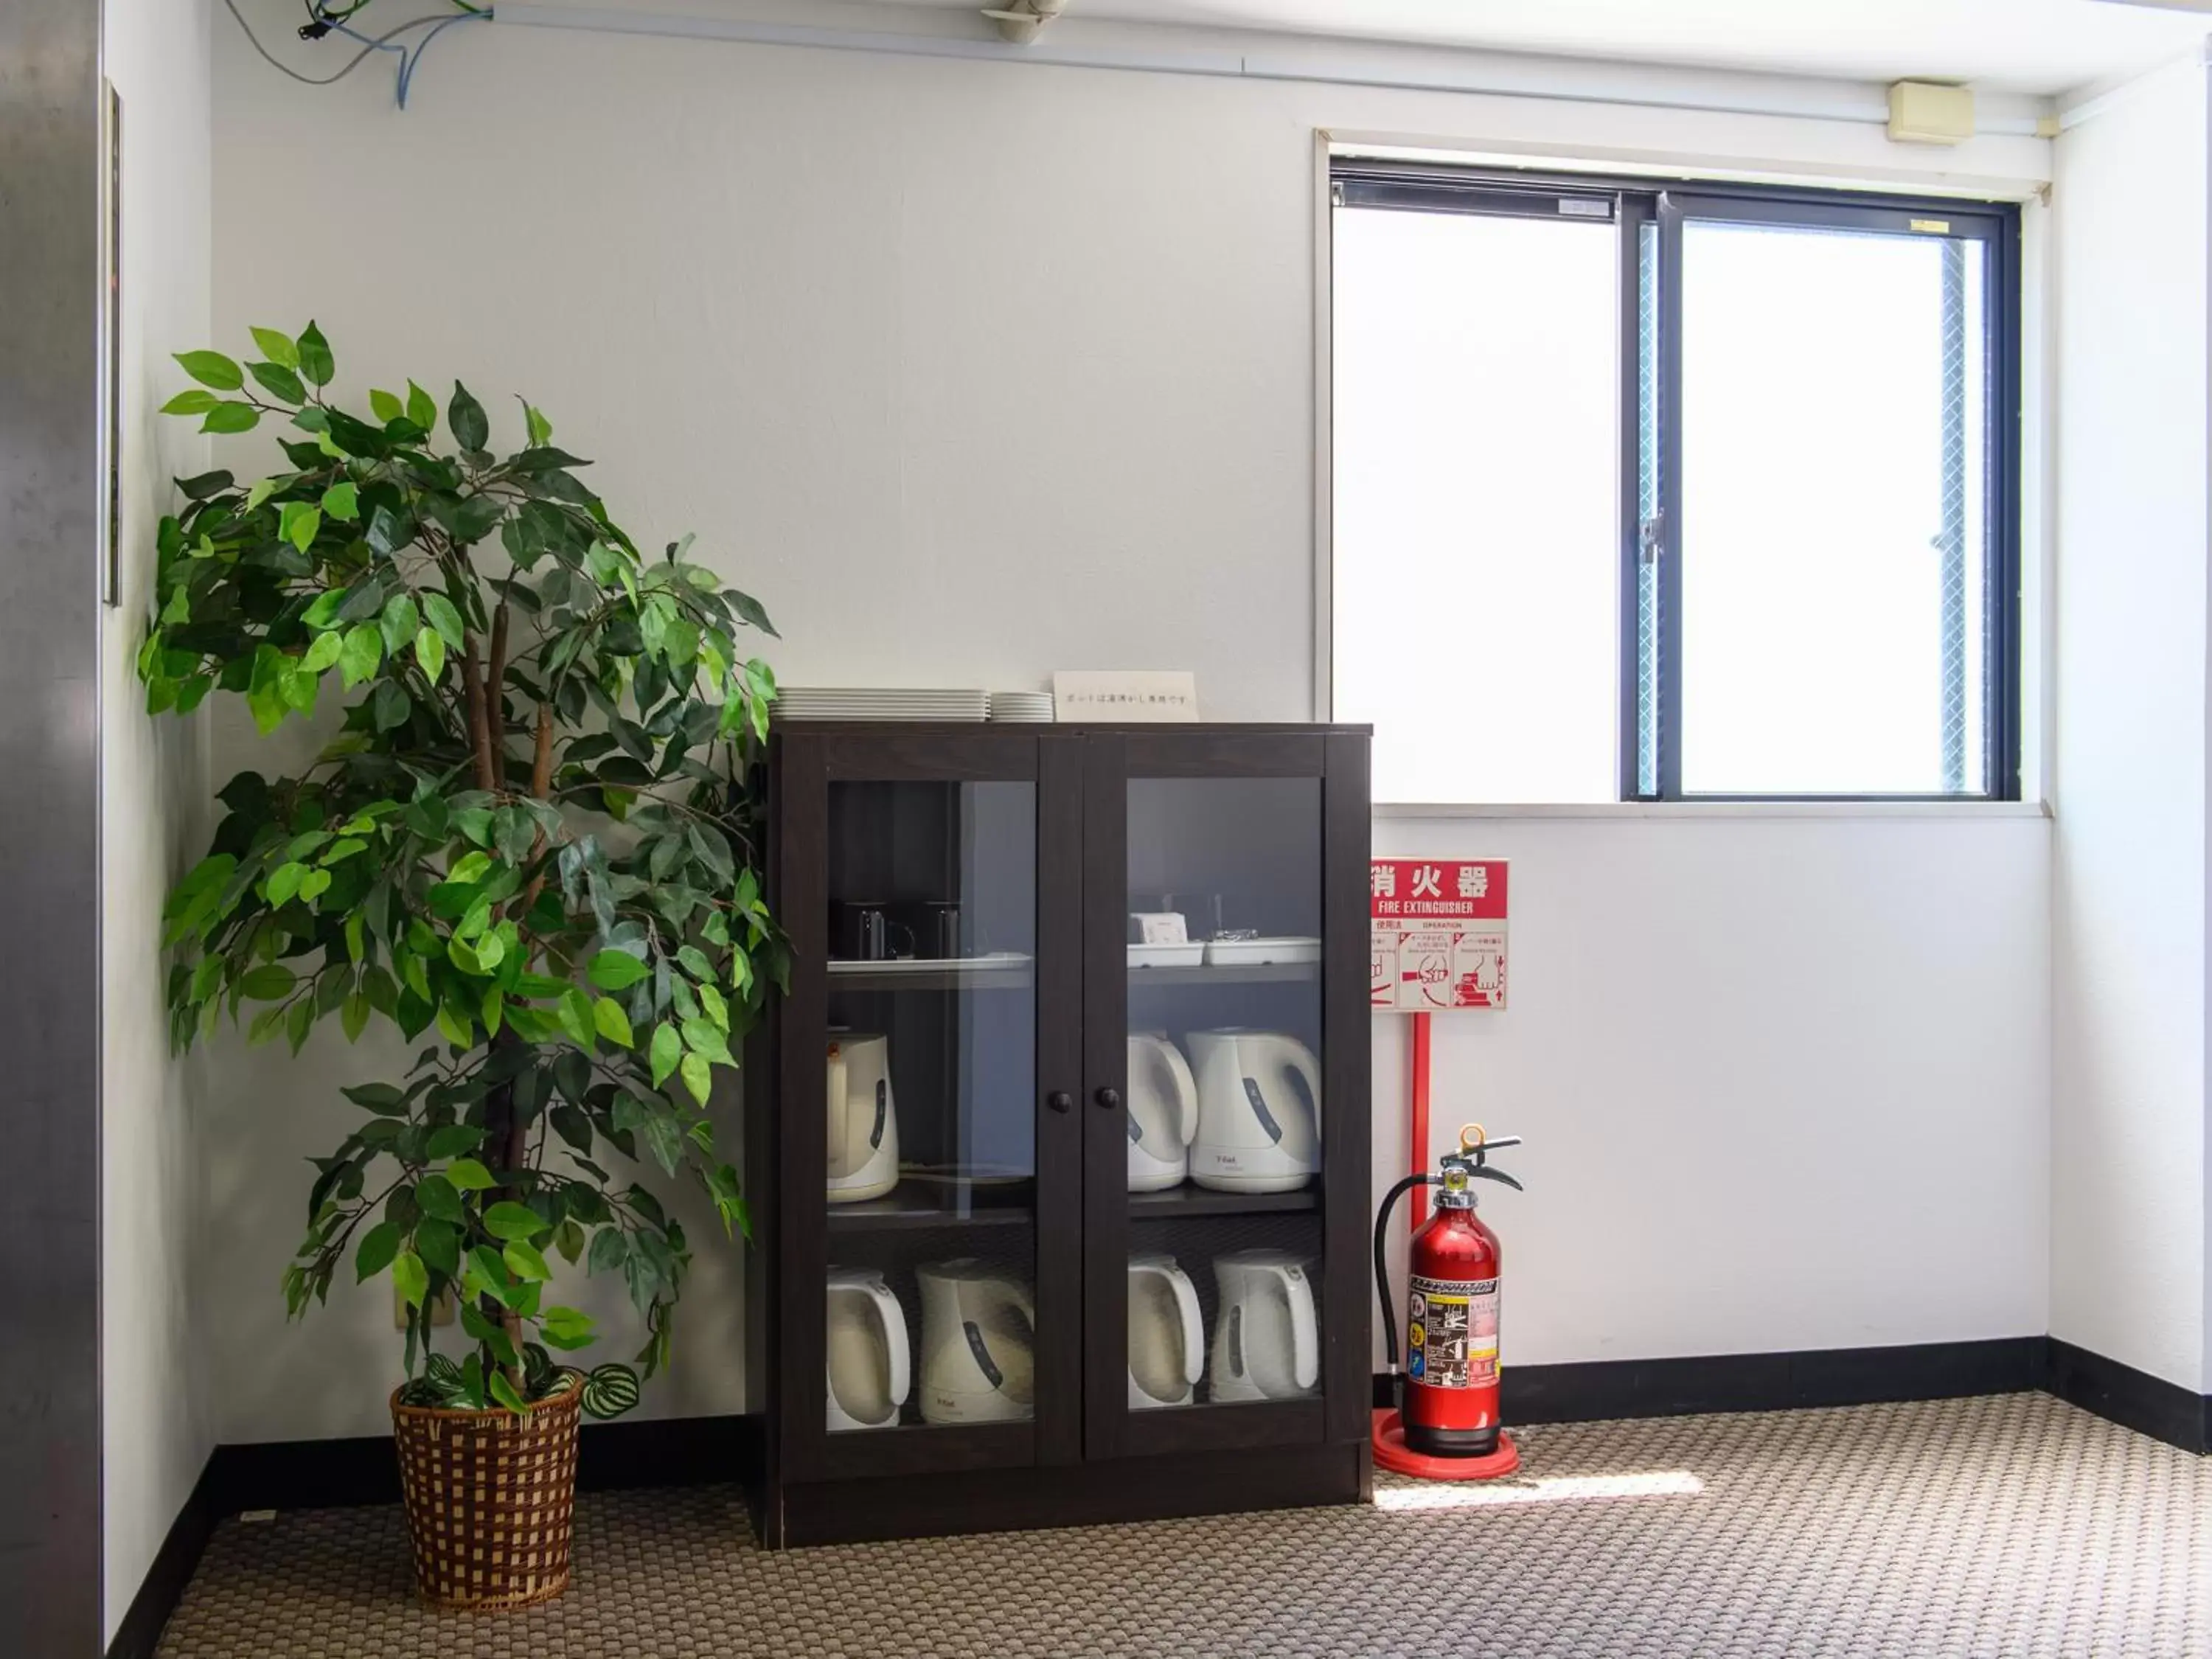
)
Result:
{"points": [[1058, 1218]]}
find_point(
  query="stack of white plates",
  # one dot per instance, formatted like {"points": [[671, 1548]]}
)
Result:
{"points": [[839, 702], [1021, 705]]}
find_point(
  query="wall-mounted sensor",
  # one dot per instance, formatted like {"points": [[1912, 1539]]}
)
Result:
{"points": [[1931, 112], [1021, 20]]}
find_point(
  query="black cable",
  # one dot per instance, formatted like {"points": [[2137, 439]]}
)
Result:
{"points": [[352, 64], [1381, 1271]]}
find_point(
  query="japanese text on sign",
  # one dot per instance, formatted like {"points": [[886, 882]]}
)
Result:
{"points": [[1437, 934]]}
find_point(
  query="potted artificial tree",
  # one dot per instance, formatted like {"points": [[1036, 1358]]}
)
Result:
{"points": [[528, 840]]}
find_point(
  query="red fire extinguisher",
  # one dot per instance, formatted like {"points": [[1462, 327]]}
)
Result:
{"points": [[1447, 1393]]}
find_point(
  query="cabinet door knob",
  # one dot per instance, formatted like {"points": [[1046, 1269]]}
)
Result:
{"points": [[1060, 1100], [1110, 1099]]}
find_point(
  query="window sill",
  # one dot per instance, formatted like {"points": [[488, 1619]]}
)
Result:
{"points": [[1720, 809]]}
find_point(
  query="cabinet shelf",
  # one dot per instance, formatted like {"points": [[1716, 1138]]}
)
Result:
{"points": [[1002, 973], [913, 1206], [1258, 973], [1188, 1200]]}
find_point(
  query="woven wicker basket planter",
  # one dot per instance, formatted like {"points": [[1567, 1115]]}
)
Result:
{"points": [[491, 1497]]}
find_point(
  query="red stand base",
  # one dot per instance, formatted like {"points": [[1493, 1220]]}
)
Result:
{"points": [[1392, 1453]]}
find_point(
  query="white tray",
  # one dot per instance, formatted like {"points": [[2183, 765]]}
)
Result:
{"points": [[992, 963], [1253, 952], [1189, 954]]}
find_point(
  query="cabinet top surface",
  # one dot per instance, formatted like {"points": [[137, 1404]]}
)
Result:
{"points": [[1033, 728]]}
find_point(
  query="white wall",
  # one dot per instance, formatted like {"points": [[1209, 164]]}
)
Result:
{"points": [[2128, 1190], [1782, 1080], [155, 1434], [974, 371]]}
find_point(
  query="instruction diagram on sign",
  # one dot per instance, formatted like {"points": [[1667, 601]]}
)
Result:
{"points": [[1438, 934]]}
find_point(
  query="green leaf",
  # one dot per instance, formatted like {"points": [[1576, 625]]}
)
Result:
{"points": [[323, 653], [612, 1022], [279, 382], [536, 426], [509, 1220], [439, 1244], [609, 1250], [268, 983], [378, 1097], [212, 368], [702, 1037], [388, 707], [316, 366], [466, 416], [470, 1175], [284, 882], [438, 611], [609, 1391], [422, 408], [457, 1024], [502, 1392], [353, 1016], [411, 1277], [342, 502], [663, 1139], [525, 1262], [361, 655], [575, 1010], [698, 1077], [299, 522], [430, 652], [452, 1140], [379, 1245], [194, 402], [276, 348], [617, 970], [231, 417], [667, 1050], [385, 407], [435, 1196]]}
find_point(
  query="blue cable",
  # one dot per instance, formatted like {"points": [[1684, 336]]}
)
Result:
{"points": [[408, 59]]}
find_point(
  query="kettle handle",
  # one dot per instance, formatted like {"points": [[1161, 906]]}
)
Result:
{"points": [[1181, 1083], [1185, 1300], [895, 1343], [1300, 1059], [835, 1110], [1305, 1339], [1193, 1333]]}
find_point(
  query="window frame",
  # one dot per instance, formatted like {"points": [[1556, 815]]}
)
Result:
{"points": [[1631, 203]]}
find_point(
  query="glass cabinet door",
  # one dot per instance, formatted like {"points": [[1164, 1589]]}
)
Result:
{"points": [[1209, 1047], [923, 1149]]}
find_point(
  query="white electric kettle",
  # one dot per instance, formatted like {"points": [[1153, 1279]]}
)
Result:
{"points": [[1167, 1346], [868, 1370], [1259, 1111], [864, 1153], [1163, 1113], [1265, 1344], [978, 1345]]}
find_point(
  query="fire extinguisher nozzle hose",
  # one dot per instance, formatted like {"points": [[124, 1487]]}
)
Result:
{"points": [[1381, 1268]]}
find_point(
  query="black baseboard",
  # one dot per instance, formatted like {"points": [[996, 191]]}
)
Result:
{"points": [[174, 1563], [297, 1475], [2135, 1400], [1593, 1390]]}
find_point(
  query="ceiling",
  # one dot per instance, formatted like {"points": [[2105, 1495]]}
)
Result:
{"points": [[2044, 46]]}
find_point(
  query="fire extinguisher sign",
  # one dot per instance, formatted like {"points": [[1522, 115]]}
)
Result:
{"points": [[1437, 937]]}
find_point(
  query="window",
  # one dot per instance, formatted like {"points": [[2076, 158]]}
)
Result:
{"points": [[1663, 493]]}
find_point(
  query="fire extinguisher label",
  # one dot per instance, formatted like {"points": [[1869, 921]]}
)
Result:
{"points": [[1451, 1333]]}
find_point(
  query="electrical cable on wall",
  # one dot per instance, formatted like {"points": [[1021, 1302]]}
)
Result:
{"points": [[325, 20]]}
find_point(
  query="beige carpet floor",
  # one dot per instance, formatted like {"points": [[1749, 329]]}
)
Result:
{"points": [[2011, 1527]]}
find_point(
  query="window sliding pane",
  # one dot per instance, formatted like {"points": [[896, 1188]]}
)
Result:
{"points": [[1834, 537], [1476, 533]]}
